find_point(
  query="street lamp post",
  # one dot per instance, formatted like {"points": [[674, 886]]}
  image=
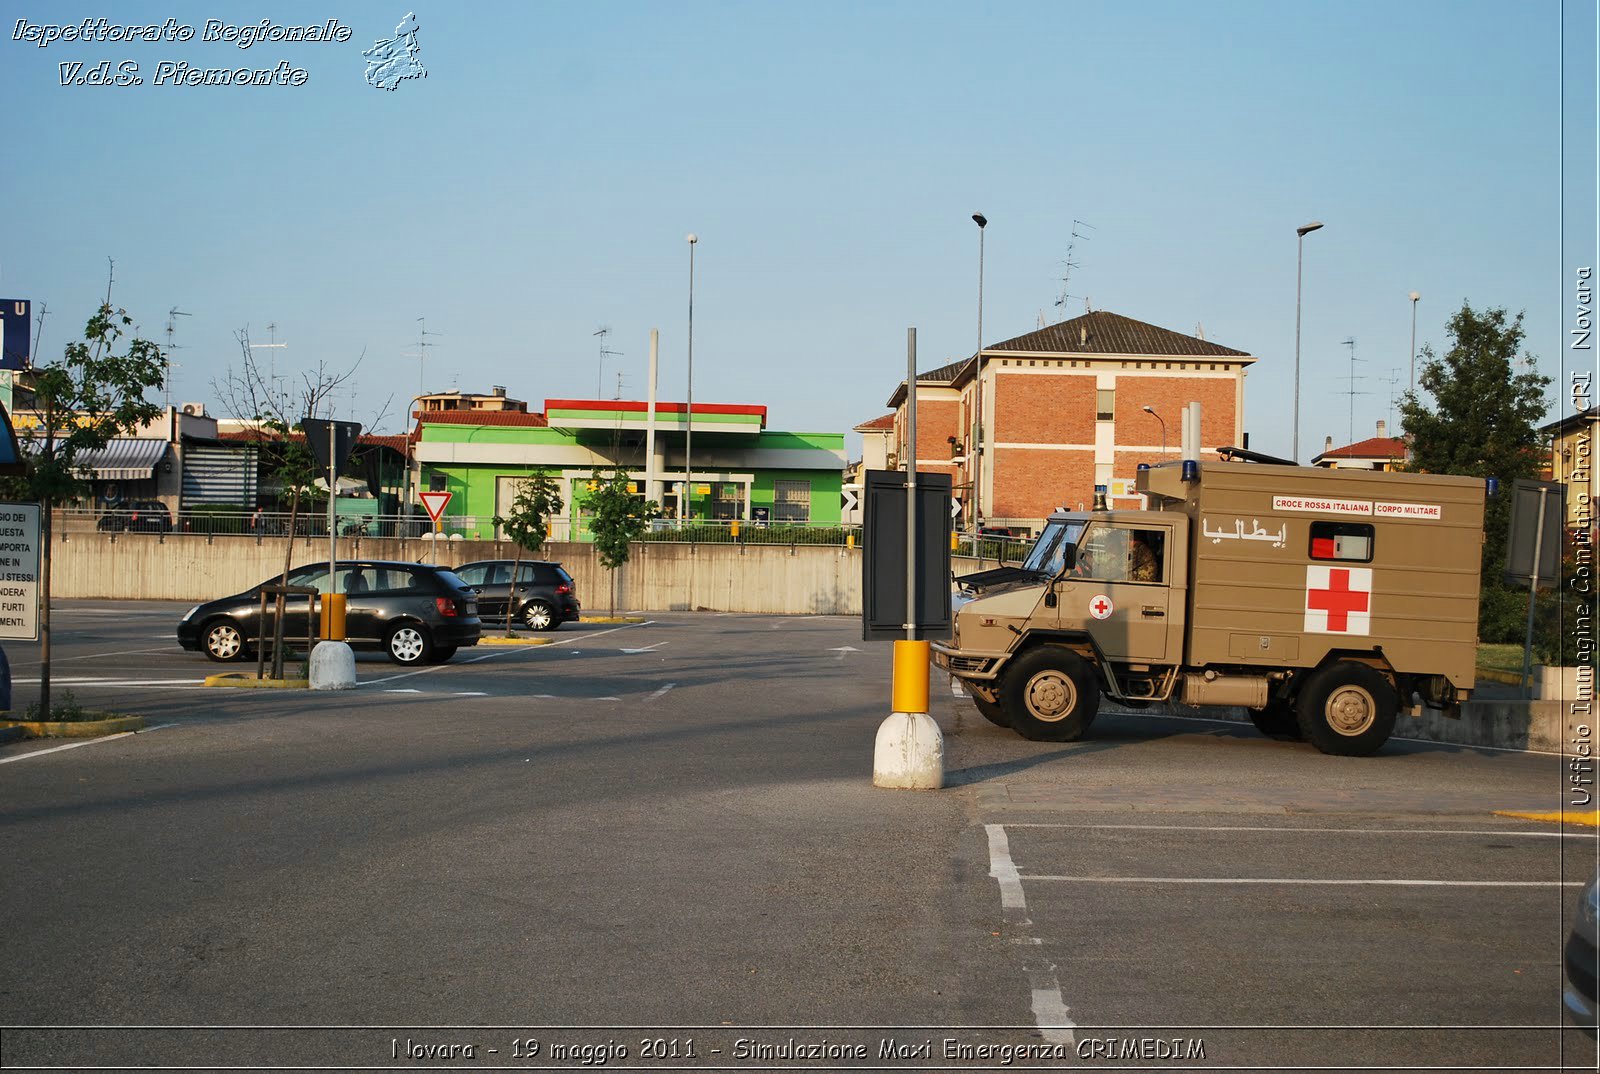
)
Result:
{"points": [[688, 414], [1152, 412], [1299, 272], [977, 394], [1414, 297]]}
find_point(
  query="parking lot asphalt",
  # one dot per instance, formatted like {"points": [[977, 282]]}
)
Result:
{"points": [[672, 824]]}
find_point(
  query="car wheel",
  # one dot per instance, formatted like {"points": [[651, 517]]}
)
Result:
{"points": [[1050, 694], [223, 641], [992, 711], [441, 654], [539, 616], [408, 644], [1277, 720], [1348, 709]]}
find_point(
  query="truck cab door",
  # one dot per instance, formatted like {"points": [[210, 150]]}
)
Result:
{"points": [[1120, 590]]}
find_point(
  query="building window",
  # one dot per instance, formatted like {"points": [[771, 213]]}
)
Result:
{"points": [[791, 501], [1351, 541], [727, 501], [1105, 405]]}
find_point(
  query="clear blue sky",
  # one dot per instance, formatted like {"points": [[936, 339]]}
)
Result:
{"points": [[540, 181]]}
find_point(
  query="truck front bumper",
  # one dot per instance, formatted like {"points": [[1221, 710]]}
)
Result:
{"points": [[979, 667]]}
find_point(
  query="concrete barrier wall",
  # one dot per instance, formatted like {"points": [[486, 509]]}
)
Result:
{"points": [[778, 579]]}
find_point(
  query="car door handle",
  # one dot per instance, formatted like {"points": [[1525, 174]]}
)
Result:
{"points": [[1154, 613]]}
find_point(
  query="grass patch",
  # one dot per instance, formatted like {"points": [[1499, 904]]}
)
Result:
{"points": [[67, 710], [1501, 658]]}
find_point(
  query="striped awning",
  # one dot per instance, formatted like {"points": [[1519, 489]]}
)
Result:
{"points": [[125, 458]]}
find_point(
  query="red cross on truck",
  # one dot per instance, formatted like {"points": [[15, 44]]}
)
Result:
{"points": [[1325, 602]]}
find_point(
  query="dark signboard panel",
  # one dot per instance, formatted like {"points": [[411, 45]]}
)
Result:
{"points": [[883, 556]]}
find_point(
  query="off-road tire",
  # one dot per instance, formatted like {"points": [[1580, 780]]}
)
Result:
{"points": [[992, 711], [408, 644], [1051, 694], [1277, 720], [223, 641], [1347, 709]]}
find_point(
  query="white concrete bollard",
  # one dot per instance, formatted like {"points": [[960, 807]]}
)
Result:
{"points": [[333, 666], [909, 753]]}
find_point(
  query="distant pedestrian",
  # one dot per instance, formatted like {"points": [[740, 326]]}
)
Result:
{"points": [[257, 523]]}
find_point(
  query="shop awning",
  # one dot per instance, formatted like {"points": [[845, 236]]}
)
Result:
{"points": [[125, 458]]}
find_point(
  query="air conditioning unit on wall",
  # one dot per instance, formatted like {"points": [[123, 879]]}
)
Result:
{"points": [[194, 410]]}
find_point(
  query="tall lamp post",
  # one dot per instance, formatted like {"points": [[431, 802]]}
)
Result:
{"points": [[977, 395], [1152, 412], [1299, 273], [1414, 297], [688, 413]]}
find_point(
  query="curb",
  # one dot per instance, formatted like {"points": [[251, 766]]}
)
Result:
{"points": [[612, 619], [245, 681], [116, 725], [11, 733], [1583, 818], [515, 641], [1505, 678]]}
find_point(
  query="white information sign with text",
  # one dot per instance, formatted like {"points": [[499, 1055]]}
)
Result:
{"points": [[19, 571]]}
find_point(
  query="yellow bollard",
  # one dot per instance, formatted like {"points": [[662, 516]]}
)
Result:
{"points": [[910, 676], [333, 617], [849, 540], [733, 529], [955, 541]]}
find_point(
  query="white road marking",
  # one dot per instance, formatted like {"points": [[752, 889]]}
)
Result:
{"points": [[1311, 881], [85, 742], [67, 680], [646, 649], [662, 692], [608, 698], [1003, 870], [470, 693], [1050, 1012], [1268, 828], [842, 650], [97, 656], [403, 690]]}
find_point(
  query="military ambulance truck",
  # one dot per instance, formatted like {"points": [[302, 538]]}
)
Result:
{"points": [[1323, 601]]}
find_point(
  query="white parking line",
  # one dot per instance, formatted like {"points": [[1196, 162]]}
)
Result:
{"points": [[662, 692], [85, 742], [1310, 880], [67, 680], [97, 656], [1589, 834], [1050, 1011]]}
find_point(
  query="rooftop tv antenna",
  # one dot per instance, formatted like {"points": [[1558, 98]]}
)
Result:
{"points": [[1352, 392], [605, 352], [38, 330], [166, 358], [273, 395], [1069, 263], [421, 353]]}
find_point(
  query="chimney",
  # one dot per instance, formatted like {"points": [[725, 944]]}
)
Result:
{"points": [[498, 391], [1383, 428], [1327, 445]]}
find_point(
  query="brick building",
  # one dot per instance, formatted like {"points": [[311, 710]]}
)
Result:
{"points": [[1064, 410]]}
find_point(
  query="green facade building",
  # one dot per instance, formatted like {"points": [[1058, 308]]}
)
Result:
{"points": [[740, 469]]}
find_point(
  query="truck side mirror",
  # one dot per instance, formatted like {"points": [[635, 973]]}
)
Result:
{"points": [[1050, 599]]}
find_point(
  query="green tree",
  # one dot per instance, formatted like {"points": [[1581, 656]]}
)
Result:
{"points": [[1481, 424], [620, 518], [527, 521], [91, 396]]}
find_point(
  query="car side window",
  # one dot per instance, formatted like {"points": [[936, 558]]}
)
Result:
{"points": [[528, 574], [474, 575]]}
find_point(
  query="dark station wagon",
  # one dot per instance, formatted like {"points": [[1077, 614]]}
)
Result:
{"points": [[416, 613], [546, 595]]}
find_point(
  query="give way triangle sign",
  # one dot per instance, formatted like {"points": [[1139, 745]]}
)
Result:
{"points": [[434, 502]]}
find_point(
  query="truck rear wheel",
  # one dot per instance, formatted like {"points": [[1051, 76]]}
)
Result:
{"points": [[1051, 695], [992, 711], [1277, 720], [1348, 709]]}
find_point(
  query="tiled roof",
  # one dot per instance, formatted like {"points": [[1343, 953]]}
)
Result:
{"points": [[945, 374], [396, 441], [481, 417], [1377, 447], [876, 424], [1103, 332]]}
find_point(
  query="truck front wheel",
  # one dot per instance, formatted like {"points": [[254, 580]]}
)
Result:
{"points": [[1050, 694], [1347, 709], [992, 711]]}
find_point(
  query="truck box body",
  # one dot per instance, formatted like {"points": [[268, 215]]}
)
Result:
{"points": [[1262, 593]]}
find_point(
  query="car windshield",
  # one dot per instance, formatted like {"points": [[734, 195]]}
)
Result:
{"points": [[1049, 552]]}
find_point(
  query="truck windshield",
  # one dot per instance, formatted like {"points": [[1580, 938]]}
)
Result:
{"points": [[1048, 555]]}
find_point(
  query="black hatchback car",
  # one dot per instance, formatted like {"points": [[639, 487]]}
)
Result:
{"points": [[546, 594], [417, 613]]}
